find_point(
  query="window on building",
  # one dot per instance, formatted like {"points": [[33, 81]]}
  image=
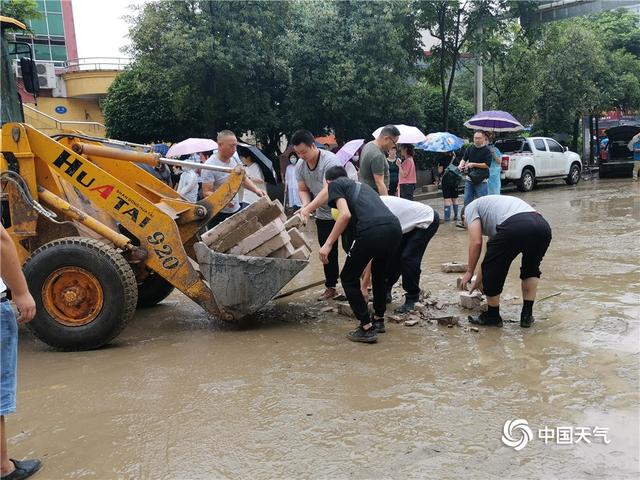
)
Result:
{"points": [[58, 53], [53, 6], [56, 25], [42, 52]]}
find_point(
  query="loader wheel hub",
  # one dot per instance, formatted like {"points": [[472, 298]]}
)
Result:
{"points": [[73, 296]]}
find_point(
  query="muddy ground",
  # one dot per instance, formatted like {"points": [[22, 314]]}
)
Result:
{"points": [[287, 396]]}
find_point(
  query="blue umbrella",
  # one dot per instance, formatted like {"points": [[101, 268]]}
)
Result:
{"points": [[441, 142]]}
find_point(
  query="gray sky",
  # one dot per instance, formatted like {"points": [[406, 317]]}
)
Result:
{"points": [[100, 29]]}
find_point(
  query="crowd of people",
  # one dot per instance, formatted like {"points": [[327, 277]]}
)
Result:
{"points": [[385, 236], [371, 213]]}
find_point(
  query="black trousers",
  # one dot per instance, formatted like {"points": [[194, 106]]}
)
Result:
{"points": [[409, 257], [406, 190], [376, 246], [393, 188], [527, 233]]}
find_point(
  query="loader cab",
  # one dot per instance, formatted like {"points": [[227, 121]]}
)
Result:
{"points": [[10, 99]]}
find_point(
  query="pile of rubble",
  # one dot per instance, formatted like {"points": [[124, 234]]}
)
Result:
{"points": [[443, 308]]}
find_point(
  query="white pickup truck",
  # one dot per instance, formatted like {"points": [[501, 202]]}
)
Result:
{"points": [[525, 161]]}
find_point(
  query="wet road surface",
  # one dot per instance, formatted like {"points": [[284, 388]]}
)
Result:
{"points": [[287, 396]]}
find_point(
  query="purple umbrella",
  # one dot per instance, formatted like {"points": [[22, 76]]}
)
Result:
{"points": [[494, 121], [348, 150]]}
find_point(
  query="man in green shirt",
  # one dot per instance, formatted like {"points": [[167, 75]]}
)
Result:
{"points": [[374, 170]]}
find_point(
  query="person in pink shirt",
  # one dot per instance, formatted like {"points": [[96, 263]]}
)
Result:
{"points": [[407, 180]]}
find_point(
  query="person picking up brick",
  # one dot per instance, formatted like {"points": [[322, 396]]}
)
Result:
{"points": [[513, 228]]}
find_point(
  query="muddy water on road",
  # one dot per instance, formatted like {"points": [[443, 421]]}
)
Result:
{"points": [[287, 396]]}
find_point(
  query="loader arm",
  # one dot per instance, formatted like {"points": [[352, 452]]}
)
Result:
{"points": [[141, 205]]}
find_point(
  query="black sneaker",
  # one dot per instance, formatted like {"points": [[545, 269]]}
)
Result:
{"points": [[526, 320], [486, 321], [362, 335], [378, 325], [406, 307]]}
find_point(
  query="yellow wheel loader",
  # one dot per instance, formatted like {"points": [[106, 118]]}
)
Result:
{"points": [[99, 236]]}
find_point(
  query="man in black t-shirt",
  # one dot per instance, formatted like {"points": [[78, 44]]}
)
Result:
{"points": [[376, 238], [475, 165]]}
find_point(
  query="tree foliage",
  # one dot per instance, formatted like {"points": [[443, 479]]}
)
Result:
{"points": [[21, 10], [352, 71], [349, 67]]}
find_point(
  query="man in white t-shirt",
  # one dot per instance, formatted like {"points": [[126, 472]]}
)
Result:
{"points": [[419, 224], [212, 180]]}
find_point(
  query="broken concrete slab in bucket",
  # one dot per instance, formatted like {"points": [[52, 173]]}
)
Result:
{"points": [[242, 285]]}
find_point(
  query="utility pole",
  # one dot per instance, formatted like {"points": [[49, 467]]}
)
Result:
{"points": [[478, 90]]}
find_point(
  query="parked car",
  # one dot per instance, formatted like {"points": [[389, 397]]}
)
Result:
{"points": [[527, 161], [617, 158]]}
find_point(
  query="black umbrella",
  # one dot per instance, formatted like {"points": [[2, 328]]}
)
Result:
{"points": [[263, 161]]}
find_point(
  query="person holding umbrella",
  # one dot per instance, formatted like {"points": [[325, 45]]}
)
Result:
{"points": [[254, 172], [475, 166]]}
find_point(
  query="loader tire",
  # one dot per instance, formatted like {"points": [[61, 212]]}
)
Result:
{"points": [[85, 293], [152, 290]]}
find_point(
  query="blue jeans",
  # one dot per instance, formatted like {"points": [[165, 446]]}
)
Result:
{"points": [[8, 358], [471, 191]]}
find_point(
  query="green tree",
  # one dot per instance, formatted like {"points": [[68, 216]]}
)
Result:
{"points": [[511, 67], [135, 109], [572, 78], [459, 26], [21, 10], [212, 64], [353, 70], [460, 109]]}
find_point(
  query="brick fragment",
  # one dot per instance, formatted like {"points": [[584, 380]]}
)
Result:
{"points": [[451, 267], [273, 244], [263, 235]]}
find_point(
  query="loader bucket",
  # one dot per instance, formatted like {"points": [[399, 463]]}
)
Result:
{"points": [[242, 285]]}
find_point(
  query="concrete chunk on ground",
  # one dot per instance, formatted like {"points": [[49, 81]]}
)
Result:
{"points": [[272, 245], [471, 301], [452, 267], [301, 253], [447, 320], [263, 235], [284, 252], [298, 239], [345, 309], [412, 321]]}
